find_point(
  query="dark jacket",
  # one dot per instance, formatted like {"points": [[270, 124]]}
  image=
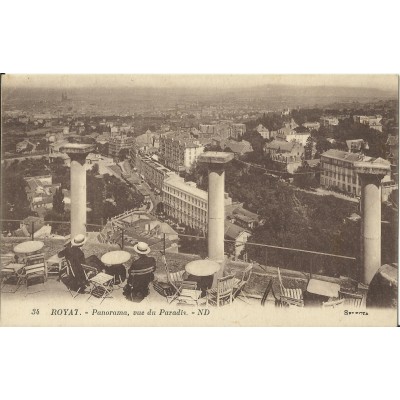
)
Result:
{"points": [[143, 262], [76, 258], [138, 285]]}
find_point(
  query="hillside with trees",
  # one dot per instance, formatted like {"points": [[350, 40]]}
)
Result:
{"points": [[293, 218]]}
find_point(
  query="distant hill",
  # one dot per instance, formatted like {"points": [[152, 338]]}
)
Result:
{"points": [[275, 95]]}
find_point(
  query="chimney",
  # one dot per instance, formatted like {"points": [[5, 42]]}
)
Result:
{"points": [[371, 175], [216, 201]]}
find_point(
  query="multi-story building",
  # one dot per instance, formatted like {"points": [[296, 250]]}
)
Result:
{"points": [[187, 203], [40, 191], [337, 170], [329, 121], [290, 135], [208, 128], [119, 142], [373, 121], [179, 153], [287, 156], [153, 172]]}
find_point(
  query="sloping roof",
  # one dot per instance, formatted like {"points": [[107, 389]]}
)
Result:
{"points": [[114, 169], [238, 210], [261, 128], [343, 155], [233, 231], [237, 147], [281, 145], [353, 157]]}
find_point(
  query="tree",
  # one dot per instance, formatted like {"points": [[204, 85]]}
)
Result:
{"points": [[308, 148], [58, 201], [256, 140], [15, 204], [322, 146], [305, 177]]}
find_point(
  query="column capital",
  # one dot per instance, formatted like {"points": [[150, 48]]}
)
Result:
{"points": [[77, 151], [216, 160]]}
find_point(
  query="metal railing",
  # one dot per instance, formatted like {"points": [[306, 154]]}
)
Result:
{"points": [[307, 261]]}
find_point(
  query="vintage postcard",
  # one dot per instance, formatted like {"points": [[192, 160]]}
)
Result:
{"points": [[199, 200]]}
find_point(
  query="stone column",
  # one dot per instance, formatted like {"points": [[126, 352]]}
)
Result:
{"points": [[371, 176], [78, 153], [216, 202]]}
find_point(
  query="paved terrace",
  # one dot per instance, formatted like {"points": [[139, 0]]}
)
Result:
{"points": [[55, 293]]}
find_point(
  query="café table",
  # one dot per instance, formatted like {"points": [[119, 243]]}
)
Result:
{"points": [[29, 247], [319, 291], [323, 288], [114, 260], [202, 272]]}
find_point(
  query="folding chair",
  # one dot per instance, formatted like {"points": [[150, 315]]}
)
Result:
{"points": [[35, 269], [353, 300], [239, 284], [11, 277], [175, 279], [290, 297], [223, 293], [54, 266], [188, 294], [103, 285], [90, 271], [6, 259], [66, 273]]}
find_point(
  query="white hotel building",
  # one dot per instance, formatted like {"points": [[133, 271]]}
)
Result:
{"points": [[337, 170], [187, 203]]}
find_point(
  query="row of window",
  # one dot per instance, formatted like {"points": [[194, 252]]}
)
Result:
{"points": [[187, 198], [347, 188], [176, 203], [339, 176]]}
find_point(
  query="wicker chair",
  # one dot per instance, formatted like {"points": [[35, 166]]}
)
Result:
{"points": [[223, 293]]}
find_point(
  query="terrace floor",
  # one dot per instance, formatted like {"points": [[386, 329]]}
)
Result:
{"points": [[53, 302]]}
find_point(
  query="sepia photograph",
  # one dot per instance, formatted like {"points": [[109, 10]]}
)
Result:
{"points": [[199, 200]]}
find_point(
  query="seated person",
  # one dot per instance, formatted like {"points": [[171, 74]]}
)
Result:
{"points": [[137, 287], [75, 256]]}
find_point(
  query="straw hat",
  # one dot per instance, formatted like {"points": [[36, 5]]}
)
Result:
{"points": [[79, 240], [141, 248]]}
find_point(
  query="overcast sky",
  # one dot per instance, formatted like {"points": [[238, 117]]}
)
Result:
{"points": [[385, 82]]}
